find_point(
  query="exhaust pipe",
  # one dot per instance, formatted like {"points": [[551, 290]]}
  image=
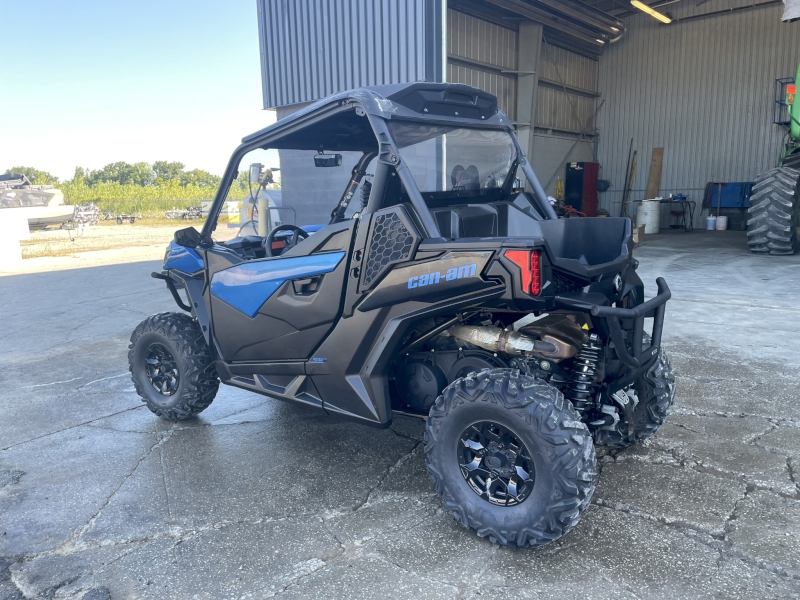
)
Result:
{"points": [[505, 341]]}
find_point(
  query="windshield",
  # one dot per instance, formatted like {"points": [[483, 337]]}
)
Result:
{"points": [[454, 158]]}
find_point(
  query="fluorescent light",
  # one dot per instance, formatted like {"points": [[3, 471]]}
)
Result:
{"points": [[653, 13]]}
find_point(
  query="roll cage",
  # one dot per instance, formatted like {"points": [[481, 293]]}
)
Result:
{"points": [[357, 121]]}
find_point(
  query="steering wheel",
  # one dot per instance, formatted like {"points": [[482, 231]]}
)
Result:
{"points": [[297, 236]]}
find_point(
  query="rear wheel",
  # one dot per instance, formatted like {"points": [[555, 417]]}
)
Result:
{"points": [[171, 366], [644, 407], [510, 457], [771, 217]]}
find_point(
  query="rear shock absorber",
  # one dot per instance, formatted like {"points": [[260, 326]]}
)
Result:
{"points": [[581, 390]]}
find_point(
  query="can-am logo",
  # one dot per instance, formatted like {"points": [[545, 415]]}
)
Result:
{"points": [[436, 277]]}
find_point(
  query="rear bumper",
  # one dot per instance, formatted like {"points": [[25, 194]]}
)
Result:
{"points": [[619, 321]]}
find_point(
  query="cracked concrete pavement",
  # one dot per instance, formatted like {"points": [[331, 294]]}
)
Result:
{"points": [[257, 498]]}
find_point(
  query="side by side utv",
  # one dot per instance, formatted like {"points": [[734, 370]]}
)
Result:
{"points": [[449, 291]]}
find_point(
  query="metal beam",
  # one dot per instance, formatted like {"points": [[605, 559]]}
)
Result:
{"points": [[535, 14], [528, 59], [727, 11], [583, 16]]}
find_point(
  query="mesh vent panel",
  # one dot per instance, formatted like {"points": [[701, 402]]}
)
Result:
{"points": [[391, 242], [565, 284]]}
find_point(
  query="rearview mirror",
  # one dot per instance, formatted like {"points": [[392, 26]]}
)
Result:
{"points": [[328, 160], [188, 238]]}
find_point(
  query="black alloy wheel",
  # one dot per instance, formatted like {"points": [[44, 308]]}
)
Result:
{"points": [[495, 463], [510, 457], [171, 366], [162, 370]]}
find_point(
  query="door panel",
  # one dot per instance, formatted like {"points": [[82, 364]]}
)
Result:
{"points": [[278, 308], [247, 286]]}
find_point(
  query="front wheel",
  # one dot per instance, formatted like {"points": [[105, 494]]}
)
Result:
{"points": [[171, 366], [510, 457]]}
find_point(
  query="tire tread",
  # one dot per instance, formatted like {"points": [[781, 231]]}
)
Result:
{"points": [[773, 205], [569, 445], [201, 381]]}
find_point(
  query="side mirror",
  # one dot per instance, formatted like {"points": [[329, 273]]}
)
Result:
{"points": [[328, 160], [188, 238]]}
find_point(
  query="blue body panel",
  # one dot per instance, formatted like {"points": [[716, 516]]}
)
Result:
{"points": [[183, 259], [247, 286]]}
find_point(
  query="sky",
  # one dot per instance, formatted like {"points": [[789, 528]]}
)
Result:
{"points": [[89, 82]]}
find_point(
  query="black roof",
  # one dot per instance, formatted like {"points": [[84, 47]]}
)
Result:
{"points": [[447, 103]]}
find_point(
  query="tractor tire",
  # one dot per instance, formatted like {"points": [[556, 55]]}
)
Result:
{"points": [[773, 204], [792, 161], [654, 397], [171, 366], [499, 424]]}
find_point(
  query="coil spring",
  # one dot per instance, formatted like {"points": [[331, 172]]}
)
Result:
{"points": [[581, 389]]}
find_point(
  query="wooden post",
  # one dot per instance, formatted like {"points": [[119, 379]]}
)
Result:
{"points": [[654, 178]]}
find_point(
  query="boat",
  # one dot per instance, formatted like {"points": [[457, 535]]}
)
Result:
{"points": [[42, 205]]}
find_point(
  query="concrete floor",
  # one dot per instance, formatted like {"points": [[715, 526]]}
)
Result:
{"points": [[99, 499]]}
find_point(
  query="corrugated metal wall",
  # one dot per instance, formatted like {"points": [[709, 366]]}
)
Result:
{"points": [[567, 100], [564, 112], [313, 48], [480, 54], [567, 90], [574, 70], [702, 89], [563, 75]]}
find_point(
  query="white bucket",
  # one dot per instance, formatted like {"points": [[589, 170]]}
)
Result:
{"points": [[722, 223], [711, 223], [649, 215]]}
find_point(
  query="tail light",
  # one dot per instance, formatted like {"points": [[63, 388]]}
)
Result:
{"points": [[530, 264]]}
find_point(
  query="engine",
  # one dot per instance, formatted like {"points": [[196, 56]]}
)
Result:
{"points": [[538, 349]]}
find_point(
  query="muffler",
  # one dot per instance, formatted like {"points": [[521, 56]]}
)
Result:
{"points": [[505, 341]]}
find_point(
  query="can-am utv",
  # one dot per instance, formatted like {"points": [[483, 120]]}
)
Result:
{"points": [[451, 293]]}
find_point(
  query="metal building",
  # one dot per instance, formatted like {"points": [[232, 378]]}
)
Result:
{"points": [[579, 79]]}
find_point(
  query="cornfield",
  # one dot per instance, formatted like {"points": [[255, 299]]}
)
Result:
{"points": [[150, 200]]}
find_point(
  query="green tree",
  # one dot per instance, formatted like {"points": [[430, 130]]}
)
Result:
{"points": [[200, 178], [35, 176], [140, 174], [168, 171], [81, 175]]}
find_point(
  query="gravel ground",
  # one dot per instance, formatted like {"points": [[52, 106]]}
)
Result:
{"points": [[257, 498], [64, 242]]}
